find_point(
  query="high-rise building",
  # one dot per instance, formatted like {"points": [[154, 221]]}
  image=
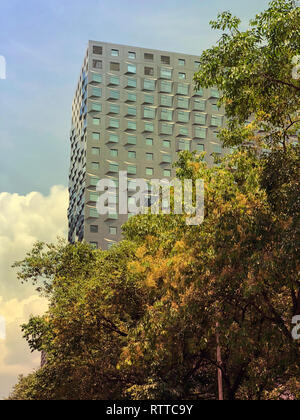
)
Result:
{"points": [[134, 110]]}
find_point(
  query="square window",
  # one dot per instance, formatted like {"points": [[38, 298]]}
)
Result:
{"points": [[182, 76], [149, 71], [96, 78], [96, 121], [96, 92], [131, 125], [200, 119], [200, 148], [131, 170], [131, 140], [165, 86], [94, 229], [183, 89], [95, 166], [97, 50], [132, 155], [94, 245], [216, 120], [166, 158], [131, 110], [183, 131], [149, 127], [115, 66], [166, 73], [149, 156], [131, 55], [149, 171], [113, 138], [131, 83], [114, 80], [199, 104], [149, 142], [113, 167], [113, 123], [93, 212], [96, 136], [166, 144], [181, 62], [149, 84], [114, 94], [166, 128], [215, 107], [113, 152], [131, 68], [114, 53], [165, 59], [200, 132], [113, 230], [184, 145], [183, 102], [166, 100], [96, 107], [196, 65], [167, 173], [183, 116], [114, 109], [95, 151], [215, 93], [97, 64], [166, 114], [149, 113], [131, 97], [148, 99], [148, 56]]}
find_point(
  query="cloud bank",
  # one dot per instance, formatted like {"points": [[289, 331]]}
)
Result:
{"points": [[24, 220]]}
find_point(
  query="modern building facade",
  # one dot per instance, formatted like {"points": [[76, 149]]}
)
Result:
{"points": [[134, 110]]}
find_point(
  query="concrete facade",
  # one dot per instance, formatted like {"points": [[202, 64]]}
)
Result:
{"points": [[134, 110]]}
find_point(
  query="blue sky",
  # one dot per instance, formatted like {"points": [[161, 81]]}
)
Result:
{"points": [[44, 44]]}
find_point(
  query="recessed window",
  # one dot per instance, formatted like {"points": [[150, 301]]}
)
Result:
{"points": [[113, 230], [96, 121], [131, 125], [96, 107], [131, 97], [165, 59], [167, 172], [148, 56], [149, 171], [93, 182], [94, 245], [131, 110], [216, 121], [166, 114], [149, 142], [97, 50], [114, 94], [97, 64], [199, 104], [200, 132], [215, 107], [113, 152], [131, 68], [196, 65], [183, 103], [199, 92], [149, 156], [184, 145], [131, 55], [166, 86], [131, 155], [114, 80], [149, 113], [200, 148], [149, 99], [166, 73], [166, 158], [183, 116], [114, 123], [149, 84], [97, 92], [113, 167], [95, 151], [183, 131], [200, 119], [93, 212], [131, 169], [94, 196], [95, 166], [182, 89], [215, 93], [94, 229], [114, 109], [96, 136], [131, 83], [181, 62], [114, 53], [182, 76], [166, 100], [97, 78], [131, 140], [166, 144], [115, 66], [149, 71], [166, 128], [113, 138], [149, 127]]}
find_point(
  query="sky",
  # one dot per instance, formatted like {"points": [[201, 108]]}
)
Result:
{"points": [[44, 43]]}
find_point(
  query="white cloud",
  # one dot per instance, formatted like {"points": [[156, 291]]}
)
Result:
{"points": [[23, 220]]}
